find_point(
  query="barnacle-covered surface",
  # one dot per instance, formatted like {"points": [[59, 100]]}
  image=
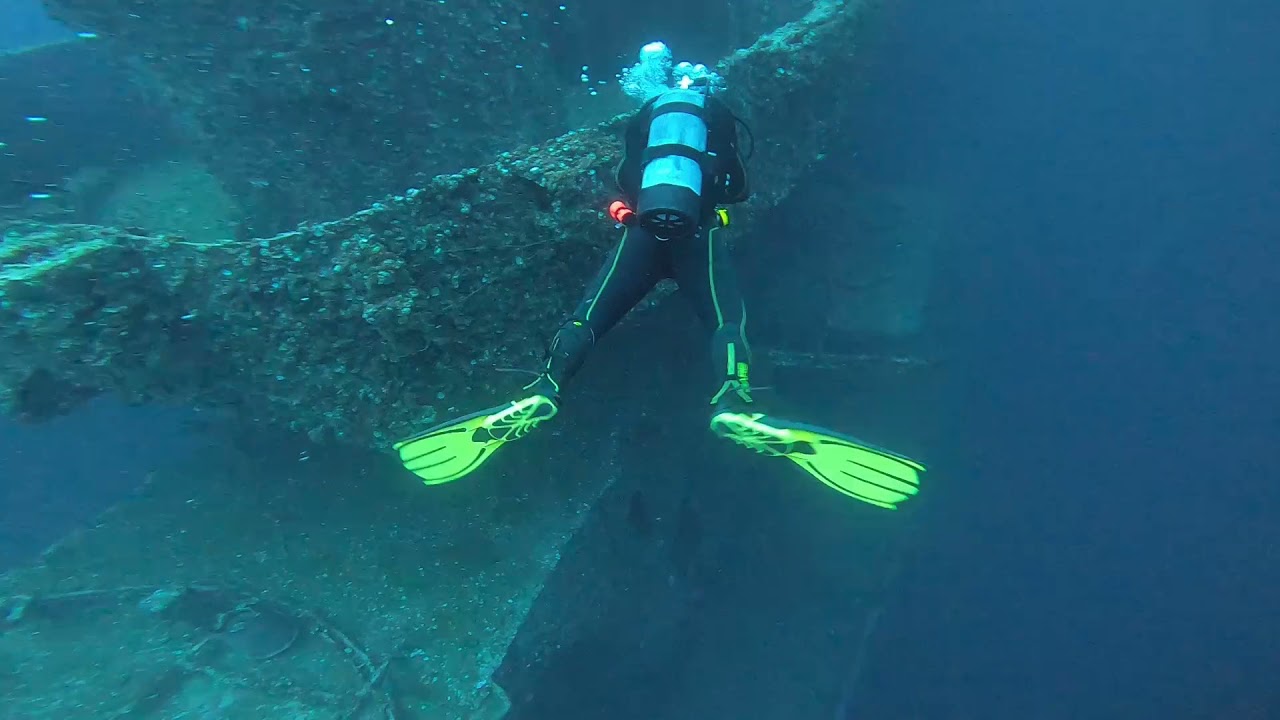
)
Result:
{"points": [[371, 325], [245, 589], [312, 110]]}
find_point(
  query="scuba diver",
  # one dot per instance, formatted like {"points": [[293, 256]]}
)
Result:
{"points": [[681, 165]]}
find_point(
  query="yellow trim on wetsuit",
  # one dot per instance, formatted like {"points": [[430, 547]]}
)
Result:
{"points": [[711, 276], [608, 276]]}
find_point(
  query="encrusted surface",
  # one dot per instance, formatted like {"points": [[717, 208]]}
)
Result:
{"points": [[404, 600], [367, 327], [312, 110]]}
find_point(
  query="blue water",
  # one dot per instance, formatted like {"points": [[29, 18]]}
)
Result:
{"points": [[1103, 534], [60, 475], [23, 23], [92, 116]]}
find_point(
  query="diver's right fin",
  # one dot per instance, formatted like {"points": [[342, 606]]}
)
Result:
{"points": [[846, 464]]}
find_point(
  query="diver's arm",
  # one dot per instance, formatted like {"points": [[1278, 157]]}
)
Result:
{"points": [[634, 138], [732, 171]]}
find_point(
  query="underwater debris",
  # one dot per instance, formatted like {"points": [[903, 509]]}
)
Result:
{"points": [[260, 633], [258, 629]]}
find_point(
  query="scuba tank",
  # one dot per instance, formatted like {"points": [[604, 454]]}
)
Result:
{"points": [[669, 203]]}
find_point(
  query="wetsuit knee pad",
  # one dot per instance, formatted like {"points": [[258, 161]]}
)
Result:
{"points": [[572, 337], [568, 350]]}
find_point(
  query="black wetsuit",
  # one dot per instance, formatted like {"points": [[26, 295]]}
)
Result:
{"points": [[699, 263]]}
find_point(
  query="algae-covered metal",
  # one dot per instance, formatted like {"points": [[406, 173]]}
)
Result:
{"points": [[371, 325]]}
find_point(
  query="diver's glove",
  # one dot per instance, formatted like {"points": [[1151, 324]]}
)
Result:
{"points": [[455, 448], [857, 469]]}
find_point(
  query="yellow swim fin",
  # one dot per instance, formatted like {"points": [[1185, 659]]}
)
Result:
{"points": [[857, 469], [455, 448]]}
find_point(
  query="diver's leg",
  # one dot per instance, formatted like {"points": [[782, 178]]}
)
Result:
{"points": [[707, 279], [853, 467], [628, 274], [456, 448]]}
